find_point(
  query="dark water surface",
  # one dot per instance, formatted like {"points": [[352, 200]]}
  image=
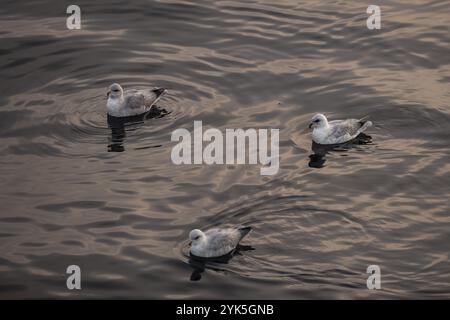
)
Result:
{"points": [[124, 217]]}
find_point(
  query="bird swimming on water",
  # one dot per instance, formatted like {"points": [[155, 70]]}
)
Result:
{"points": [[336, 131], [131, 102], [216, 242]]}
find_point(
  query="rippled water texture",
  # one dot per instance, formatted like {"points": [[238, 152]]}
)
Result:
{"points": [[124, 217]]}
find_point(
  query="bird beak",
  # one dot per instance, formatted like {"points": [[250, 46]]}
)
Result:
{"points": [[107, 94], [310, 125]]}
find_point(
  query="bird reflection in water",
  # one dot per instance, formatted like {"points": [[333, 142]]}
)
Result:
{"points": [[199, 264], [317, 159], [119, 126]]}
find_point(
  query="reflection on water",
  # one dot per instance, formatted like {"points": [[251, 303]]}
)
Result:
{"points": [[317, 159]]}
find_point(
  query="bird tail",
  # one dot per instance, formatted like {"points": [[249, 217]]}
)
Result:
{"points": [[244, 231]]}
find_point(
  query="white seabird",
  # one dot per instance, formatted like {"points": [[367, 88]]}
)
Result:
{"points": [[216, 242], [131, 102], [336, 131]]}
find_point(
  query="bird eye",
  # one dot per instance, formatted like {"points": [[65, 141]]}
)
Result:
{"points": [[197, 237], [317, 120], [116, 90]]}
